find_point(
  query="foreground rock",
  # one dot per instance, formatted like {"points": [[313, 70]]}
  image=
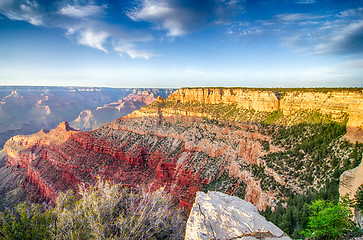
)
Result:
{"points": [[217, 215]]}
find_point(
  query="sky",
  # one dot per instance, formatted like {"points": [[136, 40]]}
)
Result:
{"points": [[182, 43]]}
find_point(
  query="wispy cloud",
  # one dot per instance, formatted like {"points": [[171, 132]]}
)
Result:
{"points": [[94, 39], [78, 11], [83, 21], [347, 38], [29, 11], [241, 29], [133, 53], [305, 1], [179, 18], [340, 33], [294, 17]]}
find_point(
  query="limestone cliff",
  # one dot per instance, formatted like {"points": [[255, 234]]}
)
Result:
{"points": [[246, 98], [326, 101], [349, 183], [330, 102], [219, 216]]}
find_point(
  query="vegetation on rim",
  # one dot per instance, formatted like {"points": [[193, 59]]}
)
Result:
{"points": [[104, 211]]}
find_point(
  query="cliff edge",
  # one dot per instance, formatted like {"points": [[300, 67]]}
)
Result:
{"points": [[334, 102]]}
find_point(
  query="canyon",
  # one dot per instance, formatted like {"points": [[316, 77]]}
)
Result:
{"points": [[27, 110], [200, 139]]}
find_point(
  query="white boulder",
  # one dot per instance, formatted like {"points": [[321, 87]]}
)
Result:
{"points": [[217, 215]]}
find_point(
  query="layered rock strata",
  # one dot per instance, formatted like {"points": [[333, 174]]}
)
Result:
{"points": [[162, 146], [326, 101]]}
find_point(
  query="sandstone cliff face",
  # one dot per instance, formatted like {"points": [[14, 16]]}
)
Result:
{"points": [[249, 99], [349, 183], [219, 216], [334, 103], [331, 102]]}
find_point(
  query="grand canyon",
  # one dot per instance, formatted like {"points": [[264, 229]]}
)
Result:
{"points": [[262, 145]]}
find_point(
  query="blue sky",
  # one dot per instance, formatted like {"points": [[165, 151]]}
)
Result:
{"points": [[179, 43]]}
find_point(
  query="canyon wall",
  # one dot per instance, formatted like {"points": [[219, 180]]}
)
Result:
{"points": [[326, 101], [250, 99]]}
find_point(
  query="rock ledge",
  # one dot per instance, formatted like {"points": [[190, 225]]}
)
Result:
{"points": [[217, 215]]}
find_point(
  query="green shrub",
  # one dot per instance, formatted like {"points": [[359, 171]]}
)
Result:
{"points": [[328, 220], [25, 222], [359, 198]]}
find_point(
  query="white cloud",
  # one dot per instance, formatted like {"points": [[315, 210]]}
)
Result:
{"points": [[29, 11], [130, 50], [241, 29], [82, 11], [339, 33], [179, 17], [344, 38], [294, 17], [305, 1], [163, 15], [83, 21], [358, 12], [93, 39]]}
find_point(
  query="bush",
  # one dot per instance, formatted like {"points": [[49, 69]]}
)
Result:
{"points": [[113, 212], [328, 220], [25, 222], [103, 211]]}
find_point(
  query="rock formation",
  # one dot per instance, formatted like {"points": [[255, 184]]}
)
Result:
{"points": [[216, 215], [349, 183], [93, 119], [188, 142], [326, 101]]}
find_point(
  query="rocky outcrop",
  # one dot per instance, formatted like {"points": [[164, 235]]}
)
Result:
{"points": [[349, 183], [216, 215]]}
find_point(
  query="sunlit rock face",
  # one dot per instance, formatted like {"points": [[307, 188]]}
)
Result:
{"points": [[246, 98], [216, 215], [350, 181]]}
